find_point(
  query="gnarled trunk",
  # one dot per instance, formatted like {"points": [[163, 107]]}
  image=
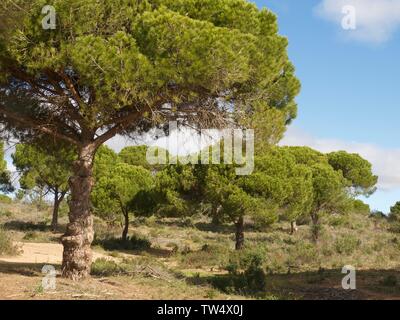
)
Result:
{"points": [[239, 234], [77, 256]]}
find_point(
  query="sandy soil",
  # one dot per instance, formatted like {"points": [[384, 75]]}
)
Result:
{"points": [[21, 278], [46, 253]]}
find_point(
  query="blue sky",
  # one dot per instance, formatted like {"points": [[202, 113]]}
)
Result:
{"points": [[350, 89]]}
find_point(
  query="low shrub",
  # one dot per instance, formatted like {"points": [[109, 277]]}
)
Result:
{"points": [[247, 272], [5, 199], [6, 245], [209, 255], [338, 220], [134, 243], [394, 227], [346, 245], [31, 235], [105, 268], [303, 253]]}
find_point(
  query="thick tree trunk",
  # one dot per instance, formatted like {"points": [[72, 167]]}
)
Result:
{"points": [[56, 206], [315, 226], [77, 256], [239, 234], [293, 227], [126, 226], [58, 198]]}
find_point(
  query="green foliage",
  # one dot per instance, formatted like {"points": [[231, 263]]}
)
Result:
{"points": [[44, 167], [140, 51], [208, 256], [346, 245], [335, 178], [302, 253], [329, 194], [339, 220], [5, 178], [103, 267], [137, 156], [282, 182], [306, 155], [395, 212], [360, 207], [114, 191], [356, 170], [124, 67], [223, 191], [247, 273], [104, 161], [174, 192]]}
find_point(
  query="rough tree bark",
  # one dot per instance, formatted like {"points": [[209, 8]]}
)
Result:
{"points": [[239, 234], [77, 255]]}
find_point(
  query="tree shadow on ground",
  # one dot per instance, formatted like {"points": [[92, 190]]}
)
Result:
{"points": [[317, 285], [217, 228], [17, 225], [133, 245], [24, 269]]}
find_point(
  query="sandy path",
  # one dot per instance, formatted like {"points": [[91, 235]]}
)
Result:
{"points": [[50, 253]]}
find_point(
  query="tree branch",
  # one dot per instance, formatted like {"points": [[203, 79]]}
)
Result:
{"points": [[119, 127], [32, 124]]}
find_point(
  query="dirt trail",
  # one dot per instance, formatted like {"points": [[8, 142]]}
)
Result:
{"points": [[50, 253]]}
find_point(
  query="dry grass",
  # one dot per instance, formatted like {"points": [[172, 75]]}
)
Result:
{"points": [[187, 255]]}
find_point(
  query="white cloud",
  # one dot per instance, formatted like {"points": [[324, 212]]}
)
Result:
{"points": [[385, 162], [376, 20]]}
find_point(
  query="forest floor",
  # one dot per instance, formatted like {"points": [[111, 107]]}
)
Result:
{"points": [[186, 259]]}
